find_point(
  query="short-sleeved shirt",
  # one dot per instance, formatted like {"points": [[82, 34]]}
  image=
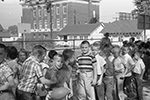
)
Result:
{"points": [[110, 68], [119, 65], [128, 62], [139, 66], [86, 61], [31, 72], [5, 72], [100, 63]]}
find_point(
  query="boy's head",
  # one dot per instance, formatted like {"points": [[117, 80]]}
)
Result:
{"points": [[115, 51], [68, 55], [125, 49], [85, 47], [39, 52], [12, 52], [58, 61], [137, 54], [96, 47], [51, 54]]}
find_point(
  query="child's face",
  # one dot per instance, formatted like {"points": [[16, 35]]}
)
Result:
{"points": [[57, 61], [95, 50], [85, 48], [125, 50], [136, 56]]}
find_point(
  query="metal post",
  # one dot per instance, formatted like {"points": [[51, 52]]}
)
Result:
{"points": [[51, 24], [144, 28]]}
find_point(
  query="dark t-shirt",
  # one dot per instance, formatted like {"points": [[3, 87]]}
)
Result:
{"points": [[109, 68]]}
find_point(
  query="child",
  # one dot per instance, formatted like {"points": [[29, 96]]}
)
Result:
{"points": [[119, 71], [55, 74], [100, 70], [87, 69], [109, 73], [138, 72], [129, 65]]}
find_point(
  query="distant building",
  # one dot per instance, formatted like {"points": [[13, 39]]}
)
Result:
{"points": [[64, 12], [79, 33], [122, 30]]}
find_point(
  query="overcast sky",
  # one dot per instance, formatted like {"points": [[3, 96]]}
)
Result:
{"points": [[10, 10]]}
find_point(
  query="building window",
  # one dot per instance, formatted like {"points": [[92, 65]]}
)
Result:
{"points": [[52, 10], [40, 12], [81, 37], [45, 24], [57, 10], [45, 12], [75, 37], [85, 37], [64, 22], [34, 36], [40, 24], [34, 13], [58, 23], [34, 25], [64, 9]]}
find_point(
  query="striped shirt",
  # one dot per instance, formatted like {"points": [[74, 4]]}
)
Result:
{"points": [[86, 61], [31, 72]]}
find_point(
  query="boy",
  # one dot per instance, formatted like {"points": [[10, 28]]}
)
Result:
{"points": [[87, 73], [119, 71], [100, 71], [138, 72]]}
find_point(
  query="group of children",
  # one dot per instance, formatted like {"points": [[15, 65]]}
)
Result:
{"points": [[101, 72]]}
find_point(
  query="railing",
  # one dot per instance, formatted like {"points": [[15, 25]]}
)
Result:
{"points": [[52, 44]]}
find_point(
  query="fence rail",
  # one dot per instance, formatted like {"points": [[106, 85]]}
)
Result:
{"points": [[52, 44]]}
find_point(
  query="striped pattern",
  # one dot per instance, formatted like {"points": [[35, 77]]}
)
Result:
{"points": [[86, 61], [30, 73]]}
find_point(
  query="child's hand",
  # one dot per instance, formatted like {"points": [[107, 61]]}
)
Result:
{"points": [[70, 94]]}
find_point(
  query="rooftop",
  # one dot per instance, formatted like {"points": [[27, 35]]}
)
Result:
{"points": [[80, 29]]}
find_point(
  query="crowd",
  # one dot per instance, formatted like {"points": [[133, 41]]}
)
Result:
{"points": [[101, 72]]}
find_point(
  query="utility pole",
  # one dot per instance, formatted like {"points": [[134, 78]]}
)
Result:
{"points": [[49, 10], [89, 9]]}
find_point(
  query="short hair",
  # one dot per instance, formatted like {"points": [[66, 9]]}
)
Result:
{"points": [[85, 42], [67, 53], [132, 38], [115, 47], [106, 34], [52, 53], [23, 51], [3, 46], [59, 55], [12, 52], [38, 50], [96, 44]]}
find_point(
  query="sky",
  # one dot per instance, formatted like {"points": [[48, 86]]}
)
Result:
{"points": [[10, 11]]}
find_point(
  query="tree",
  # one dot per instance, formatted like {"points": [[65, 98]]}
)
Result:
{"points": [[142, 7], [13, 30]]}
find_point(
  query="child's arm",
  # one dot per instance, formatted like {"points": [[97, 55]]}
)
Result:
{"points": [[99, 82], [95, 74]]}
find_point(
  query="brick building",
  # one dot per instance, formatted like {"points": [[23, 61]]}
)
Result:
{"points": [[64, 12]]}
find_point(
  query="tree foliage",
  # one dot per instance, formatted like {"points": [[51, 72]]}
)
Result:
{"points": [[13, 30], [142, 7]]}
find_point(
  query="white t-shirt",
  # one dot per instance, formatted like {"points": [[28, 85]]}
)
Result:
{"points": [[128, 62], [100, 63], [139, 66], [119, 64]]}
